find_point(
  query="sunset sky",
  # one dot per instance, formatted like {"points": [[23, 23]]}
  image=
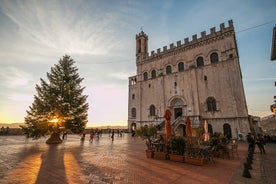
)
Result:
{"points": [[100, 36]]}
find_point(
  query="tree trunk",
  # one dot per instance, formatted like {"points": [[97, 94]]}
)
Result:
{"points": [[54, 139]]}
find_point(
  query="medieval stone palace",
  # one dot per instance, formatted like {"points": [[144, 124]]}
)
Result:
{"points": [[199, 78]]}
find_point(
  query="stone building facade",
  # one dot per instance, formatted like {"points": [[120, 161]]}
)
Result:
{"points": [[199, 78]]}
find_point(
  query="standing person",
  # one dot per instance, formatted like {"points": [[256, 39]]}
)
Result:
{"points": [[64, 135], [133, 133], [112, 135], [260, 143], [91, 136], [251, 143], [83, 136]]}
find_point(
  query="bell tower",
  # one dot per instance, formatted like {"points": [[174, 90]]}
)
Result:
{"points": [[141, 46]]}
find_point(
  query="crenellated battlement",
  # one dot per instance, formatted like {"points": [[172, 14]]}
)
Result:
{"points": [[193, 42]]}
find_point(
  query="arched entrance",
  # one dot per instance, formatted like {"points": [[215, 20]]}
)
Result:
{"points": [[133, 126], [227, 131], [177, 105], [180, 130]]}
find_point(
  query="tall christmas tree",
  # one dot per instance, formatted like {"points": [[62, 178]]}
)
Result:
{"points": [[59, 103]]}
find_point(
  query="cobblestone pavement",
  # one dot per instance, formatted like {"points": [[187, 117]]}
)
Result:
{"points": [[103, 161], [264, 168]]}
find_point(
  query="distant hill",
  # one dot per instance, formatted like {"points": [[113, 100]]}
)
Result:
{"points": [[10, 125]]}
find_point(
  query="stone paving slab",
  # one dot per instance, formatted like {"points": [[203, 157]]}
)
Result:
{"points": [[103, 161]]}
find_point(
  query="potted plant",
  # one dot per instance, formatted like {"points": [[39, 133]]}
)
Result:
{"points": [[146, 133], [160, 152], [193, 155], [177, 146]]}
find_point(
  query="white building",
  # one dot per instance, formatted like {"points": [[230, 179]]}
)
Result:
{"points": [[199, 77]]}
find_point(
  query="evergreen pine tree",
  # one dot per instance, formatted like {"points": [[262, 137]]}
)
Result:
{"points": [[58, 103]]}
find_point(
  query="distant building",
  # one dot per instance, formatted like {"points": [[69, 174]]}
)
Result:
{"points": [[273, 58], [200, 78]]}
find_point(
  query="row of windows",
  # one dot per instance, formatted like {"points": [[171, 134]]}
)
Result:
{"points": [[211, 107], [199, 62]]}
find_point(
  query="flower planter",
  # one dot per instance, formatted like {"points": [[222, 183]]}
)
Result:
{"points": [[149, 153], [177, 158], [195, 161], [160, 155]]}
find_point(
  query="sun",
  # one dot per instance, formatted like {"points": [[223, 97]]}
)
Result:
{"points": [[55, 120]]}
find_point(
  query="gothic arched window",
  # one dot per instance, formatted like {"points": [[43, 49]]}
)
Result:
{"points": [[152, 110], [211, 104], [180, 66], [214, 57], [153, 74], [133, 112], [133, 96], [168, 69], [199, 61], [145, 75]]}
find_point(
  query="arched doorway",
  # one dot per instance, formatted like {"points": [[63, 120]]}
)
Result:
{"points": [[227, 131], [178, 107], [133, 126], [180, 130]]}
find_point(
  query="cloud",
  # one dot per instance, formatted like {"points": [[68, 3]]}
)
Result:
{"points": [[62, 28], [20, 98], [12, 77], [260, 79], [120, 75]]}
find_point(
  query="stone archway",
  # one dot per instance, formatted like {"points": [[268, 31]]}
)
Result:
{"points": [[227, 132], [180, 130], [178, 106], [133, 126]]}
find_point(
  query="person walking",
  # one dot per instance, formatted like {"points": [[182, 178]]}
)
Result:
{"points": [[82, 136], [91, 136], [260, 143], [251, 142], [112, 135], [64, 135]]}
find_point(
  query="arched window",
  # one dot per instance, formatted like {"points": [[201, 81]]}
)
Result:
{"points": [[133, 96], [199, 62], [180, 66], [152, 110], [153, 74], [214, 57], [168, 69], [145, 76], [133, 112], [211, 104]]}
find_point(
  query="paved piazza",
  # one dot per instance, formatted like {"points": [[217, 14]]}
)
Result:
{"points": [[103, 161]]}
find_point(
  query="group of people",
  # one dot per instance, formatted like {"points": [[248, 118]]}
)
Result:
{"points": [[98, 133], [256, 140]]}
